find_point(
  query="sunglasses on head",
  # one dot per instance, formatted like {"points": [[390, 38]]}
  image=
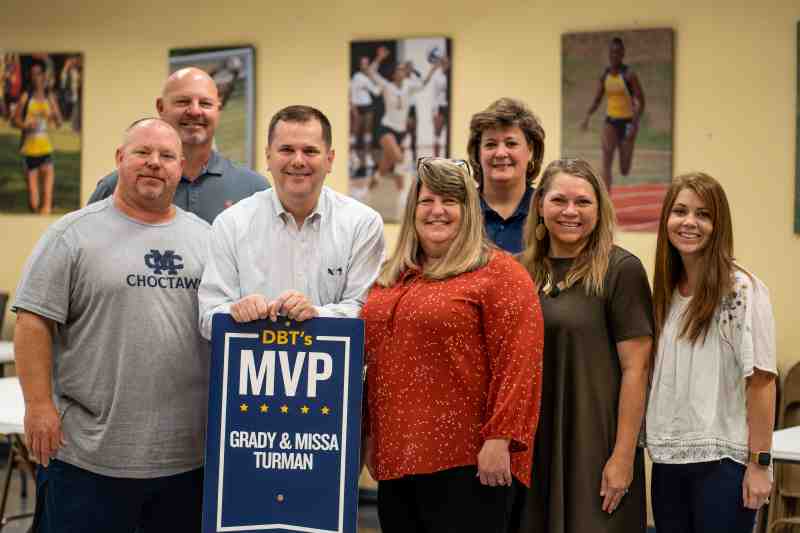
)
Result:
{"points": [[422, 161]]}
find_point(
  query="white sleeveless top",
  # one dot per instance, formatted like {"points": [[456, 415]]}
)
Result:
{"points": [[696, 411]]}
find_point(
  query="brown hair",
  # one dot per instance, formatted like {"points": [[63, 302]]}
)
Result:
{"points": [[302, 114], [469, 250], [591, 265], [505, 113], [716, 264]]}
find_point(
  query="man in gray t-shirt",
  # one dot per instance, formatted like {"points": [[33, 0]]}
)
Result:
{"points": [[112, 366]]}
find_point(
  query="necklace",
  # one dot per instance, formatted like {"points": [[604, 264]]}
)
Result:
{"points": [[553, 291]]}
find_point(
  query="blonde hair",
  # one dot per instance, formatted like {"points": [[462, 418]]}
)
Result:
{"points": [[591, 264], [469, 250], [716, 266]]}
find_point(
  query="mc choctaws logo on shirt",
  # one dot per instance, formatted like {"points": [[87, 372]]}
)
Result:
{"points": [[169, 261], [161, 263]]}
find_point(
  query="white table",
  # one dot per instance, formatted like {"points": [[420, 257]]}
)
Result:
{"points": [[12, 415], [786, 445], [6, 352], [12, 407], [6, 356]]}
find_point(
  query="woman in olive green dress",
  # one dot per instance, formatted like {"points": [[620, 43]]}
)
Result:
{"points": [[588, 472]]}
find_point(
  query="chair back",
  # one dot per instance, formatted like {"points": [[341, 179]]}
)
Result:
{"points": [[789, 416]]}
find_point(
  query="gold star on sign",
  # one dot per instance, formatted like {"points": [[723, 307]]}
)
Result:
{"points": [[304, 409], [284, 408], [264, 408], [243, 408], [325, 410]]}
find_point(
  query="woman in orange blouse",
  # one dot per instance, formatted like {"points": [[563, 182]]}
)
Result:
{"points": [[454, 357]]}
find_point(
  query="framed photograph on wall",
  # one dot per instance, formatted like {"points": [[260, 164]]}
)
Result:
{"points": [[616, 112], [232, 68], [40, 132], [399, 103]]}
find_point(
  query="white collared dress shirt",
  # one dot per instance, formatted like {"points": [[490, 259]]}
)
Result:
{"points": [[257, 248]]}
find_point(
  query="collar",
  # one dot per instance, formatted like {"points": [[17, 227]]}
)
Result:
{"points": [[320, 211], [522, 207], [213, 167], [410, 274]]}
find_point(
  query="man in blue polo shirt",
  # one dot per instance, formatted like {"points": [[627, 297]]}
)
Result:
{"points": [[210, 182]]}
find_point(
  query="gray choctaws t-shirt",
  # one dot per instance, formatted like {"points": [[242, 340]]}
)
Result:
{"points": [[130, 369]]}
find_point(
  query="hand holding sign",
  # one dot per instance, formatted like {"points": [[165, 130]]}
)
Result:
{"points": [[293, 304], [249, 308]]}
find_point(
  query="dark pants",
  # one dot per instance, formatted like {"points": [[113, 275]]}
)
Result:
{"points": [[452, 500], [70, 499], [700, 498]]}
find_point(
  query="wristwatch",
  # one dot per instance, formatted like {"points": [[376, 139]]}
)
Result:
{"points": [[761, 458]]}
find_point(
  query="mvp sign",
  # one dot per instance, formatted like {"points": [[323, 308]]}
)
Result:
{"points": [[284, 411]]}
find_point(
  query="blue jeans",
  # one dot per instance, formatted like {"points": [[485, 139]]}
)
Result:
{"points": [[700, 498], [73, 500]]}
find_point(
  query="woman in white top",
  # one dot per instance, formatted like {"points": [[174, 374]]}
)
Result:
{"points": [[441, 107], [362, 112], [397, 92], [712, 403]]}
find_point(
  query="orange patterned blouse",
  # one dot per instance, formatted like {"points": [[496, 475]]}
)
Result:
{"points": [[450, 364]]}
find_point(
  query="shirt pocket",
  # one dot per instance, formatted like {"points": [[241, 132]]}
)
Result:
{"points": [[332, 280]]}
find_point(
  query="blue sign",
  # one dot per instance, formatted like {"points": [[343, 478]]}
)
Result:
{"points": [[284, 412]]}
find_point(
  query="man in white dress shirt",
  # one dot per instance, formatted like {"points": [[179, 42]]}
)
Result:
{"points": [[300, 249]]}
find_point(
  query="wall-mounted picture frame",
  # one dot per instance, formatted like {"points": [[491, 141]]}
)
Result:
{"points": [[399, 101], [233, 70], [41, 102], [617, 98]]}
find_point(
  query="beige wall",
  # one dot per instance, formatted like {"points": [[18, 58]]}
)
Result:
{"points": [[734, 108]]}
